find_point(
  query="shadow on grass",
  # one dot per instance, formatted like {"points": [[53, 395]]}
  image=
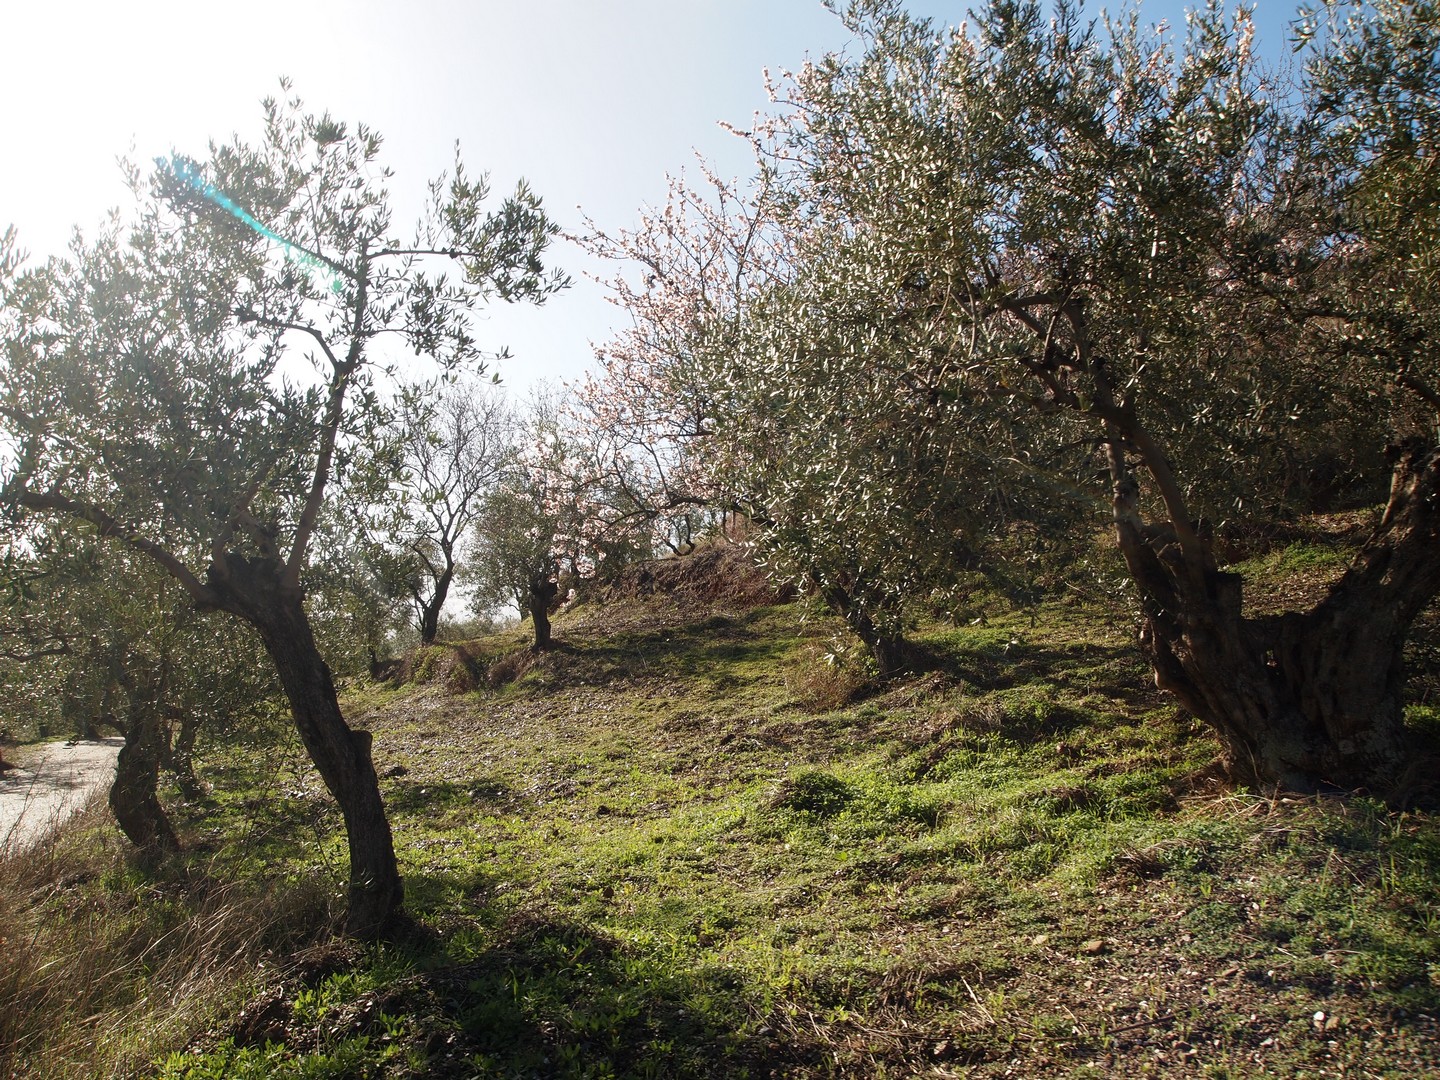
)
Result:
{"points": [[429, 797], [717, 644], [554, 998], [568, 1000], [260, 830], [1118, 671]]}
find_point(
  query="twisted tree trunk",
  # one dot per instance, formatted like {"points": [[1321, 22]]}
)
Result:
{"points": [[1306, 700], [542, 593], [133, 796], [180, 753], [430, 609]]}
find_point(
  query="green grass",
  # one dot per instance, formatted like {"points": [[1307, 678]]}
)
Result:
{"points": [[1296, 558], [650, 856]]}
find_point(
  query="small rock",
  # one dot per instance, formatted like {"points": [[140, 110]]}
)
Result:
{"points": [[1093, 947]]}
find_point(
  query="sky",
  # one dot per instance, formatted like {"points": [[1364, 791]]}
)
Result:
{"points": [[593, 102]]}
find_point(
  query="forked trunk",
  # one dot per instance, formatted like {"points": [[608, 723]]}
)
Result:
{"points": [[133, 796], [1306, 700], [430, 609], [252, 589]]}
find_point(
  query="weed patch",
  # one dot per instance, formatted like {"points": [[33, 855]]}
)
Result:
{"points": [[111, 960]]}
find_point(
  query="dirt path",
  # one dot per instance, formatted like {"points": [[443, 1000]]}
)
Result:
{"points": [[51, 783]]}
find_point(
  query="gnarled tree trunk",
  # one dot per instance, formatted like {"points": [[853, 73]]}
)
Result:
{"points": [[133, 796], [890, 652], [1306, 700], [430, 609], [542, 593], [253, 590]]}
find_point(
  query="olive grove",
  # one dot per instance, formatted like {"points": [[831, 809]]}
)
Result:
{"points": [[992, 283]]}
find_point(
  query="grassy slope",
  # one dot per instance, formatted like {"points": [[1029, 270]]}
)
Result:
{"points": [[650, 857]]}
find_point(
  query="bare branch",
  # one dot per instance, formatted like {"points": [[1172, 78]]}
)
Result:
{"points": [[281, 324]]}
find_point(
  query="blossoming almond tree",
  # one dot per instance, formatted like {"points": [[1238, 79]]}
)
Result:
{"points": [[554, 519], [675, 399], [680, 277]]}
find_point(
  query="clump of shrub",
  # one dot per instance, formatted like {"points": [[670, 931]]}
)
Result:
{"points": [[856, 807], [819, 794], [452, 665]]}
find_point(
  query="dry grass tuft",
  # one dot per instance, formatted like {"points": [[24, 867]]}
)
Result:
{"points": [[822, 681], [717, 574], [111, 962], [510, 667]]}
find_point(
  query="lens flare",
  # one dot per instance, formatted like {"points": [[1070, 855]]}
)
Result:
{"points": [[187, 172]]}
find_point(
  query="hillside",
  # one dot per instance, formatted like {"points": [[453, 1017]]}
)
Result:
{"points": [[688, 844]]}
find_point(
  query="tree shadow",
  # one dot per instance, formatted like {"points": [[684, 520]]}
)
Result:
{"points": [[1117, 671], [709, 646], [422, 797], [553, 997]]}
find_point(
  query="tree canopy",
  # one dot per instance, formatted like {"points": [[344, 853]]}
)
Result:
{"points": [[1038, 272], [189, 382]]}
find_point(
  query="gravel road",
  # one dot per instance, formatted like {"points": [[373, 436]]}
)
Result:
{"points": [[52, 782]]}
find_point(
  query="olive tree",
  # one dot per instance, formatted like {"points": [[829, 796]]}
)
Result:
{"points": [[1077, 266], [188, 382], [99, 636]]}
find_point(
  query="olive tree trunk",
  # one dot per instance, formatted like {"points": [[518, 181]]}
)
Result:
{"points": [[890, 652], [1306, 700], [542, 593], [180, 752], [133, 796], [430, 609], [253, 590]]}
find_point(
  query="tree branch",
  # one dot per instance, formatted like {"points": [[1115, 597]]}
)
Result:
{"points": [[62, 649], [238, 515], [444, 253], [281, 324], [1421, 388], [334, 412], [111, 528]]}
